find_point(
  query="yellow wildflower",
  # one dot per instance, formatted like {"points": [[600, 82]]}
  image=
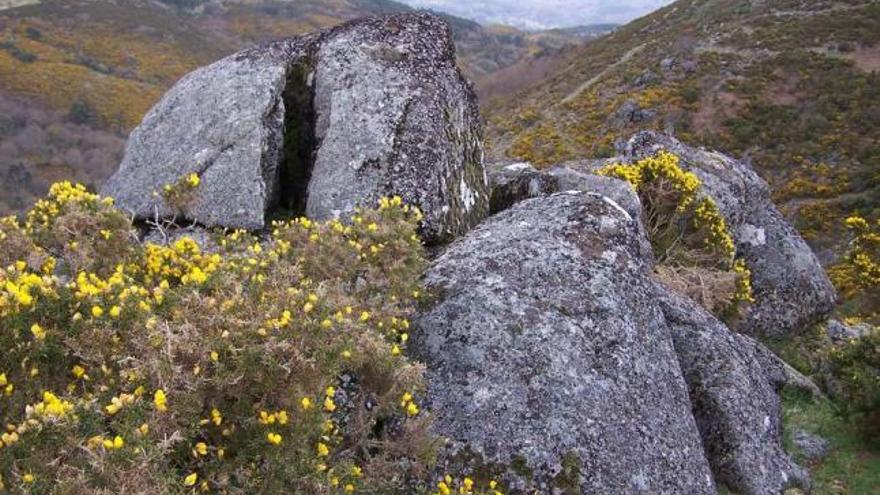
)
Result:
{"points": [[323, 450], [160, 401], [38, 332]]}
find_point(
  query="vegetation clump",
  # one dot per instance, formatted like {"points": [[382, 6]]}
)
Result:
{"points": [[857, 276], [855, 365], [692, 244], [854, 368], [243, 365]]}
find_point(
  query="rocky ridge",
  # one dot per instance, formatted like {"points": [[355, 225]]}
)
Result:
{"points": [[554, 359]]}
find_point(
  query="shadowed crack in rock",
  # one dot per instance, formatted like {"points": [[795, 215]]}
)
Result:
{"points": [[299, 142]]}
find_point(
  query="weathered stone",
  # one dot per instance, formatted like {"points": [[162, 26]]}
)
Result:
{"points": [[395, 116], [842, 333], [733, 382], [513, 183], [790, 286], [516, 182], [545, 348], [813, 447], [322, 123], [630, 112], [223, 122]]}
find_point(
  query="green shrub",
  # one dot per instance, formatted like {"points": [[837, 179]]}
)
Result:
{"points": [[855, 368], [691, 242], [244, 365], [857, 275]]}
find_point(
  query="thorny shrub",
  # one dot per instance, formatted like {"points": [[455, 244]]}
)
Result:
{"points": [[182, 194], [855, 365], [855, 368], [857, 276], [690, 238], [270, 365]]}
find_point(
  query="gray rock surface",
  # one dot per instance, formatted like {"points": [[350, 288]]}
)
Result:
{"points": [[631, 113], [813, 447], [790, 286], [733, 383], [841, 333], [513, 183], [224, 122], [324, 123], [545, 346], [395, 116]]}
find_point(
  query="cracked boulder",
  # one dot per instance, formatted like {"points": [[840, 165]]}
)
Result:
{"points": [[395, 116], [319, 125], [549, 360], [791, 289], [223, 122], [733, 383]]}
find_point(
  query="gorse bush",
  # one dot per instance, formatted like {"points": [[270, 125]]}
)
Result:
{"points": [[242, 365], [855, 368], [690, 239], [855, 365], [857, 276]]}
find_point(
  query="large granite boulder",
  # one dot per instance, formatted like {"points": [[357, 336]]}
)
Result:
{"points": [[395, 116], [319, 125], [733, 383], [791, 289], [223, 122], [546, 348]]}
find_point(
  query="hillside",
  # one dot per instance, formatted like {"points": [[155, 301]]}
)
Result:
{"points": [[303, 279], [77, 75], [791, 86]]}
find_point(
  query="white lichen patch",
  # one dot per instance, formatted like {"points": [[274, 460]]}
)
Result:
{"points": [[516, 167], [466, 195], [617, 207], [609, 256], [754, 236]]}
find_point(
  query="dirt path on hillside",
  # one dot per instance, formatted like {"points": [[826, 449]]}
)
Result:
{"points": [[593, 80]]}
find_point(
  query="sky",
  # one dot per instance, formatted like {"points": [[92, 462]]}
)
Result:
{"points": [[544, 14]]}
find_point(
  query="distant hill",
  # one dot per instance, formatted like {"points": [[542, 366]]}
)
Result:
{"points": [[77, 75], [792, 85]]}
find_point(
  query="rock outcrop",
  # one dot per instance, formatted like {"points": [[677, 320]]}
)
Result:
{"points": [[320, 125], [553, 358], [547, 327], [791, 289], [395, 116], [223, 122], [733, 383], [790, 286], [546, 347], [515, 182]]}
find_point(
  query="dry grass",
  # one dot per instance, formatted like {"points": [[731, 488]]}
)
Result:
{"points": [[711, 288]]}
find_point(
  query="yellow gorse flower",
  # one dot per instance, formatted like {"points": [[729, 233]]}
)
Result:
{"points": [[160, 401], [38, 332]]}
